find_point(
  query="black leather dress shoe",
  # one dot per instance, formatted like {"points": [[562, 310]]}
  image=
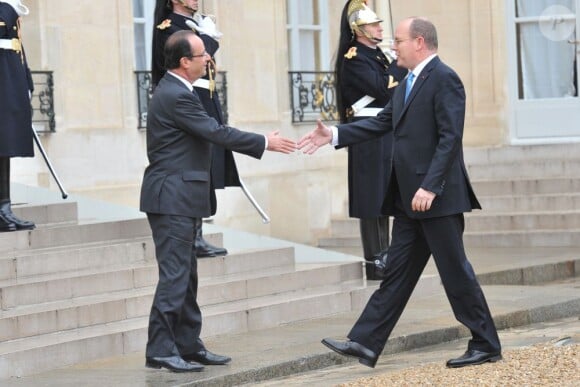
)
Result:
{"points": [[208, 358], [350, 348], [473, 357], [172, 363], [204, 249]]}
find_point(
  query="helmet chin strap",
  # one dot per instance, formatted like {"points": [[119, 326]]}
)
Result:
{"points": [[368, 36]]}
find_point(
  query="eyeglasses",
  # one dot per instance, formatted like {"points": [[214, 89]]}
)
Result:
{"points": [[199, 55]]}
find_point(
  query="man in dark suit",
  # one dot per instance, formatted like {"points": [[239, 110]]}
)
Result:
{"points": [[428, 192], [175, 15], [16, 87], [176, 195]]}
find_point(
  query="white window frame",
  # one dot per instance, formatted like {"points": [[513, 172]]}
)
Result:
{"points": [[294, 28], [146, 22], [541, 120]]}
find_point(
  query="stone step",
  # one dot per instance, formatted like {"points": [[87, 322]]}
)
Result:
{"points": [[488, 221], [531, 168], [502, 238], [37, 262], [532, 186], [222, 293], [74, 234], [523, 238], [531, 203], [521, 153], [73, 284], [337, 242], [39, 353], [48, 214]]}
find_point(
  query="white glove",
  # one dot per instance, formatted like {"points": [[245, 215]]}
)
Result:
{"points": [[206, 26]]}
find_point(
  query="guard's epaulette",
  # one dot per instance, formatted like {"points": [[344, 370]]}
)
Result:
{"points": [[351, 53], [392, 82], [164, 24]]}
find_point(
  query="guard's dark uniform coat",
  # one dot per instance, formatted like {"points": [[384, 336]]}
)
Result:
{"points": [[15, 85], [367, 71], [223, 167]]}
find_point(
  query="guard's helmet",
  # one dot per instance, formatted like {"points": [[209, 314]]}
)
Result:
{"points": [[359, 15]]}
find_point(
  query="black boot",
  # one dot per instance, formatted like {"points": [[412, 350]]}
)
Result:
{"points": [[374, 234], [8, 221], [204, 249], [6, 224]]}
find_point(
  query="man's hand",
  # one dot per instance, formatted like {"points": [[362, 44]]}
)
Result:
{"points": [[280, 144], [320, 136], [422, 200]]}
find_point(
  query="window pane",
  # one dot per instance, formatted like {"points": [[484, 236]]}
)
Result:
{"points": [[140, 48], [527, 8], [138, 8], [305, 14], [309, 51], [546, 66]]}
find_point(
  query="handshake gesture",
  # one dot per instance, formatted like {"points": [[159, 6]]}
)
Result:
{"points": [[310, 142]]}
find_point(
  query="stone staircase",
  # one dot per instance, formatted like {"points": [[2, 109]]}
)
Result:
{"points": [[72, 293], [530, 197]]}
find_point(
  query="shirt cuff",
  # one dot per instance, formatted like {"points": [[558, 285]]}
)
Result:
{"points": [[334, 141], [265, 143]]}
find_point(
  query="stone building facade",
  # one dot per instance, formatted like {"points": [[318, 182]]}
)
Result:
{"points": [[94, 48]]}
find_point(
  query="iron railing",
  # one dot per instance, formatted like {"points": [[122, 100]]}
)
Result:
{"points": [[312, 96], [42, 101], [144, 91]]}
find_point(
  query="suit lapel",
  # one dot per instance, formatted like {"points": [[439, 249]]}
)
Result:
{"points": [[419, 82]]}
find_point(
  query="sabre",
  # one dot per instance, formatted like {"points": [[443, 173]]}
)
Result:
{"points": [[53, 173], [265, 217]]}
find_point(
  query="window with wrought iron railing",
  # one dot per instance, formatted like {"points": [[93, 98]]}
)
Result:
{"points": [[42, 101], [312, 96]]}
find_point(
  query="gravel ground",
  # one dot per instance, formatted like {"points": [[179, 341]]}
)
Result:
{"points": [[555, 363]]}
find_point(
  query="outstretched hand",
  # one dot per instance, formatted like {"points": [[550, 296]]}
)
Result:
{"points": [[280, 144], [320, 136]]}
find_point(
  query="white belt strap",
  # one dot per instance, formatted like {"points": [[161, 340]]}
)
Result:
{"points": [[202, 83], [10, 44], [361, 103], [368, 112]]}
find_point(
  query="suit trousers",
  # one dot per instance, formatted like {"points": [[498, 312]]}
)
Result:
{"points": [[175, 318], [413, 242]]}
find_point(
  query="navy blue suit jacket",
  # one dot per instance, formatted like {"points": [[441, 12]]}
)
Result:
{"points": [[427, 142]]}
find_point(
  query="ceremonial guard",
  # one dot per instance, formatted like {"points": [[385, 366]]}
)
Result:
{"points": [[365, 80], [16, 88], [175, 15]]}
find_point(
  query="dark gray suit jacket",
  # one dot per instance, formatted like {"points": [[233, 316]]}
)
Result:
{"points": [[427, 147], [179, 143]]}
